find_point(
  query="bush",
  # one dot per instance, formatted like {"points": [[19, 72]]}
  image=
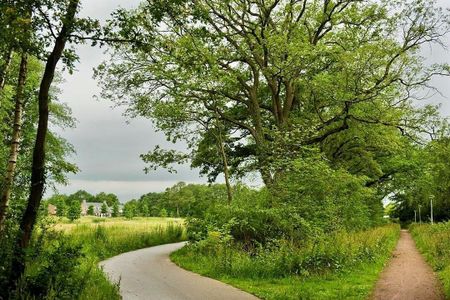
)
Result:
{"points": [[251, 225], [332, 199], [54, 270]]}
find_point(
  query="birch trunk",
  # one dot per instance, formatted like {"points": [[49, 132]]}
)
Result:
{"points": [[7, 56], [15, 140]]}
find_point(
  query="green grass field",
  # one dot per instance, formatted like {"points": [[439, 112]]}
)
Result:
{"points": [[140, 223]]}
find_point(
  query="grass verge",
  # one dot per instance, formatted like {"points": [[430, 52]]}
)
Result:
{"points": [[99, 241], [351, 278], [433, 241]]}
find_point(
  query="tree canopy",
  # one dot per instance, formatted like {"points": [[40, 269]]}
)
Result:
{"points": [[281, 76]]}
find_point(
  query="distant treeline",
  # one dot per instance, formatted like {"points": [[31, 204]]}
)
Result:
{"points": [[180, 200]]}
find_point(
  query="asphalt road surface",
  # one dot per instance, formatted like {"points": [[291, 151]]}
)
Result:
{"points": [[149, 274]]}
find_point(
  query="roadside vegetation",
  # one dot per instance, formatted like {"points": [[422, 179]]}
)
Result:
{"points": [[64, 261], [292, 251], [433, 242], [341, 265]]}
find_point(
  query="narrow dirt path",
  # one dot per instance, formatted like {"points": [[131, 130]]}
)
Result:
{"points": [[149, 274], [407, 276]]}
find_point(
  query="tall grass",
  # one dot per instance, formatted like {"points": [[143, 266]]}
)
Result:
{"points": [[95, 241], [434, 243], [266, 269], [106, 241]]}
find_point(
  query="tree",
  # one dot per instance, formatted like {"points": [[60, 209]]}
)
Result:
{"points": [[104, 209], [61, 203], [110, 199], [115, 210], [38, 165], [74, 211], [90, 210], [163, 213], [129, 209], [81, 195], [281, 75], [58, 165], [428, 178]]}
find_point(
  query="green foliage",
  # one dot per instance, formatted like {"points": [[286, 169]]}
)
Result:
{"points": [[129, 209], [110, 199], [336, 75], [58, 149], [328, 198], [90, 210], [81, 195], [54, 269], [433, 242], [74, 211], [115, 210], [219, 256], [427, 179], [64, 265], [104, 208], [185, 200], [163, 213], [61, 203]]}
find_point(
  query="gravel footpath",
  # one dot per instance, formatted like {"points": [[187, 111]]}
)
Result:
{"points": [[407, 276]]}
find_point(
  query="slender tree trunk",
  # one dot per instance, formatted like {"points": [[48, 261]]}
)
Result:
{"points": [[15, 140], [224, 159], [38, 166], [225, 169], [7, 56]]}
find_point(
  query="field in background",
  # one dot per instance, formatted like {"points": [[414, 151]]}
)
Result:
{"points": [[140, 223]]}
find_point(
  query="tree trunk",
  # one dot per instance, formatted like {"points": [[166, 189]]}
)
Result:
{"points": [[261, 145], [15, 140], [38, 166], [4, 68], [224, 159], [225, 170]]}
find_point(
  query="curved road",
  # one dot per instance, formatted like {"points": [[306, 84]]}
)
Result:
{"points": [[149, 274]]}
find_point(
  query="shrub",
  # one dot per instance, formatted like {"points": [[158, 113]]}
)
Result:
{"points": [[251, 225]]}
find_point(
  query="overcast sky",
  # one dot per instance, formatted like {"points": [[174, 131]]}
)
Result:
{"points": [[108, 147]]}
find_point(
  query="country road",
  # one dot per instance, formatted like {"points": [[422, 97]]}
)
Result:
{"points": [[149, 274]]}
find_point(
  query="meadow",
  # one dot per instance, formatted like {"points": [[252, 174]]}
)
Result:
{"points": [[79, 247], [344, 265], [433, 241]]}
